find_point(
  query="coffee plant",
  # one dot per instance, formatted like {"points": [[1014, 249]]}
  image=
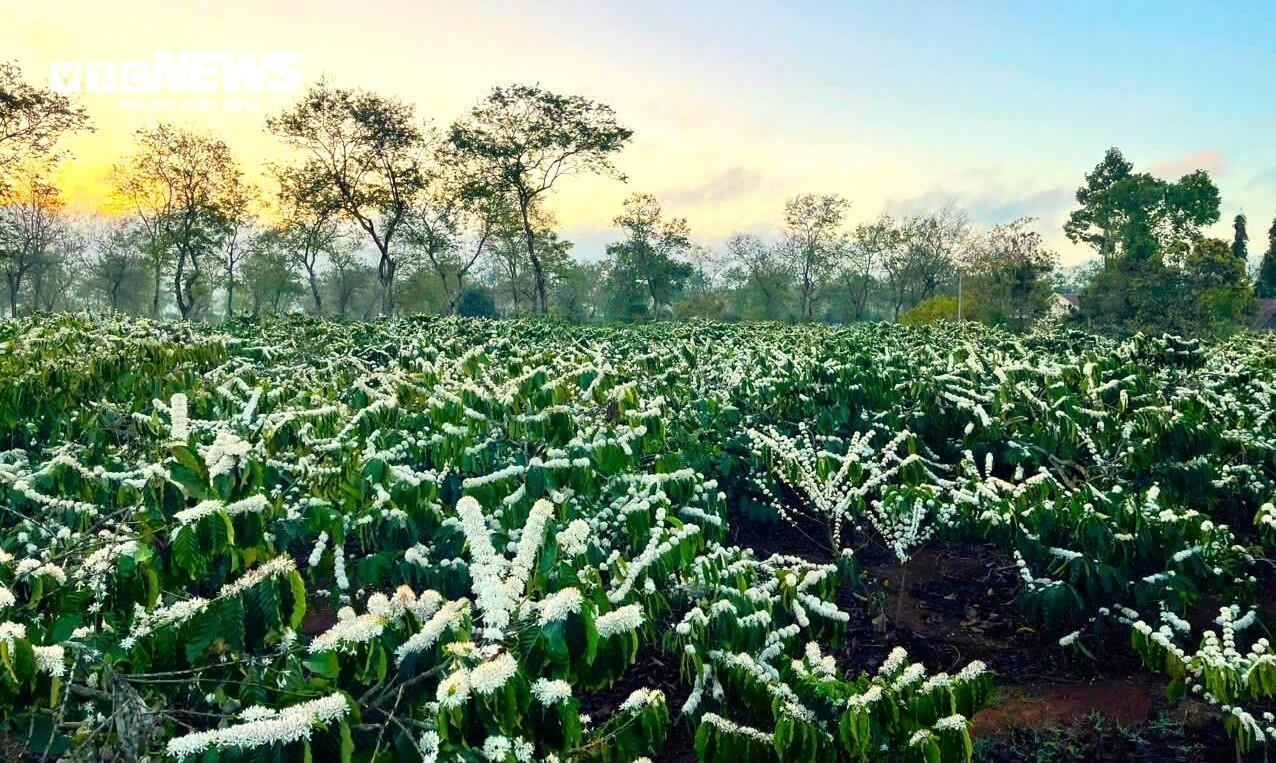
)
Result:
{"points": [[450, 539]]}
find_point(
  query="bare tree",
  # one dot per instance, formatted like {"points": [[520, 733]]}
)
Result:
{"points": [[521, 139]]}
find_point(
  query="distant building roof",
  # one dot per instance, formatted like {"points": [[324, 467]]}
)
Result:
{"points": [[1266, 314]]}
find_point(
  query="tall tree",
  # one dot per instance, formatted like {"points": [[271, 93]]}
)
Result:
{"points": [[1098, 223], [521, 139], [1240, 239], [117, 263], [269, 276], [56, 273], [237, 231], [923, 260], [1265, 284], [645, 272], [1151, 228], [454, 222], [367, 153], [577, 296], [1128, 214], [815, 242], [347, 277]]}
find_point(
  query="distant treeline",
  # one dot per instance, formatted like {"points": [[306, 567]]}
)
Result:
{"points": [[372, 211]]}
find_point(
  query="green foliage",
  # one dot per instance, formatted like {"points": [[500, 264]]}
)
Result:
{"points": [[933, 310], [452, 535], [476, 303]]}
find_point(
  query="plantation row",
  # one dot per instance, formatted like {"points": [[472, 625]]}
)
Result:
{"points": [[444, 539]]}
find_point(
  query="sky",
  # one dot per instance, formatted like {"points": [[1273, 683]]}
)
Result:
{"points": [[998, 107]]}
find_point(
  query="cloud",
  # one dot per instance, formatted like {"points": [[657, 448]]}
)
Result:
{"points": [[1263, 181], [991, 206], [995, 204], [1173, 169], [722, 187], [589, 243]]}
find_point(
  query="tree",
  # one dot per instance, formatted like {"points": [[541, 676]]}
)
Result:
{"points": [[576, 297], [453, 224], [521, 139], [1098, 222], [146, 203], [117, 263], [236, 234], [32, 120], [1240, 239], [1010, 269], [1148, 231], [60, 266], [510, 268], [1224, 296], [763, 275], [1265, 285], [310, 225], [268, 275], [815, 243], [644, 272], [924, 258], [183, 186], [871, 244], [30, 224], [1130, 214], [364, 155], [346, 279]]}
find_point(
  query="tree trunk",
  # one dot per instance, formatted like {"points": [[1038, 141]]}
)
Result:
{"points": [[156, 297], [538, 273], [14, 284], [314, 290], [183, 307], [385, 273]]}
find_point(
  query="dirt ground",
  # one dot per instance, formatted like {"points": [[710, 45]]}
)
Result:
{"points": [[953, 603]]}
